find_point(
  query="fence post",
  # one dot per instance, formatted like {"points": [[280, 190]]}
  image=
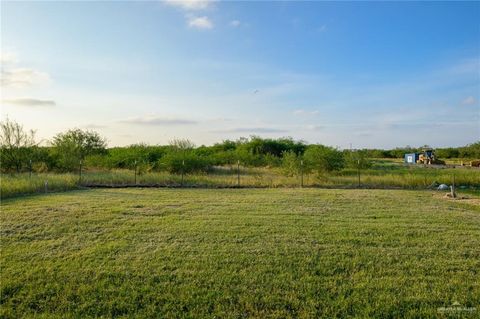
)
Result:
{"points": [[46, 186], [301, 173], [30, 173], [135, 167], [238, 173], [358, 171], [80, 173], [454, 194], [183, 168]]}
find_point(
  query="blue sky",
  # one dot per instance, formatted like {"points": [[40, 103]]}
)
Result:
{"points": [[372, 74]]}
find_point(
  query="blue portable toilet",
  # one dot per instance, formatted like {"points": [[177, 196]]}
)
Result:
{"points": [[411, 158]]}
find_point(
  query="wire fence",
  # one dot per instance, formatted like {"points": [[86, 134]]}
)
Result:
{"points": [[236, 176]]}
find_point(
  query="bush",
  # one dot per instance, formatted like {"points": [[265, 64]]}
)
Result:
{"points": [[74, 145], [323, 159], [291, 163], [357, 159], [178, 162]]}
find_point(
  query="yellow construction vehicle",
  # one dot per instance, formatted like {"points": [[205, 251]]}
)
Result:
{"points": [[427, 156]]}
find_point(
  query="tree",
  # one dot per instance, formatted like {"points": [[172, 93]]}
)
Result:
{"points": [[182, 144], [17, 145], [357, 159], [291, 164], [74, 145], [323, 159]]}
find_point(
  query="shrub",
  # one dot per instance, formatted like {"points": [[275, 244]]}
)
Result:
{"points": [[321, 159], [357, 159], [186, 162], [290, 163]]}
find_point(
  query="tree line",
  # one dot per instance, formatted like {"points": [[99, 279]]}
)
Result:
{"points": [[67, 151]]}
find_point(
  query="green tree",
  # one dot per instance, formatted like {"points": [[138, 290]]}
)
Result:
{"points": [[74, 145], [357, 159], [322, 159], [16, 144], [291, 163]]}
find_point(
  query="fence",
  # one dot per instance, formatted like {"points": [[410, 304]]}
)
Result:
{"points": [[237, 176]]}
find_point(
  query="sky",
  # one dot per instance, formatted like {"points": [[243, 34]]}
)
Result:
{"points": [[366, 74]]}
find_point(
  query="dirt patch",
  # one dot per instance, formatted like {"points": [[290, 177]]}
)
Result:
{"points": [[460, 198]]}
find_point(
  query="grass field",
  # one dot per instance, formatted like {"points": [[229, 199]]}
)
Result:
{"points": [[234, 253]]}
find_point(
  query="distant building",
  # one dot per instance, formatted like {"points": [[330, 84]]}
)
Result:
{"points": [[411, 158]]}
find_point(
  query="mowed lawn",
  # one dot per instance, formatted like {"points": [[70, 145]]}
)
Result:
{"points": [[235, 253]]}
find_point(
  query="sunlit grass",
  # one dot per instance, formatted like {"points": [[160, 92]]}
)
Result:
{"points": [[230, 253]]}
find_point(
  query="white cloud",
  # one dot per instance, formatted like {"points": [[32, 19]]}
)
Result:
{"points": [[94, 126], [7, 58], [155, 120], [22, 77], [315, 127], [29, 102], [252, 130], [235, 23], [471, 65], [322, 28], [18, 77], [190, 5], [301, 112], [200, 22], [469, 101]]}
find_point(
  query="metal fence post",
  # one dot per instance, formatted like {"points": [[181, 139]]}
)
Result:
{"points": [[358, 171], [301, 173], [80, 173], [238, 173], [135, 167], [30, 173], [183, 169]]}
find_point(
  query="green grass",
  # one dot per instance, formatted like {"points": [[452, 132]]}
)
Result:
{"points": [[379, 176], [19, 184], [231, 253]]}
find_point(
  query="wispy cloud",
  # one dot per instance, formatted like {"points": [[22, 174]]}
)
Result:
{"points": [[29, 102], [13, 76], [471, 65], [322, 28], [235, 23], [315, 127], [8, 58], [190, 5], [157, 121], [22, 77], [252, 130], [469, 100], [200, 22], [94, 126], [301, 112]]}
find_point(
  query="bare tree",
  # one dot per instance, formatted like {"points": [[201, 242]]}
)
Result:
{"points": [[16, 144], [182, 144]]}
